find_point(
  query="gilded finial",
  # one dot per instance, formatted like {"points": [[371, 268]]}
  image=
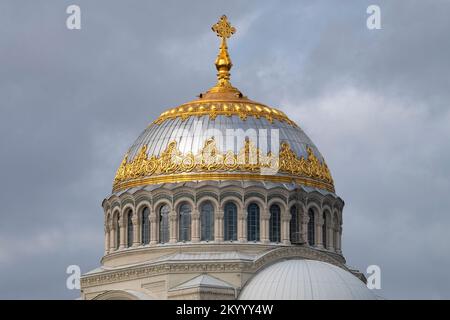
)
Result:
{"points": [[224, 30]]}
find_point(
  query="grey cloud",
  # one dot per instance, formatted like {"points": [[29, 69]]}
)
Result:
{"points": [[73, 101]]}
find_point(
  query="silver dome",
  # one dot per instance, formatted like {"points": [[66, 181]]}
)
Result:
{"points": [[190, 139], [305, 280], [223, 135]]}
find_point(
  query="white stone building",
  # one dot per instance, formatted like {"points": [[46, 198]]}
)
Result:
{"points": [[223, 198]]}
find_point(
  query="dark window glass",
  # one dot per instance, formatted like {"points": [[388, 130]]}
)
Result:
{"points": [[253, 222], [324, 230], [207, 221], [129, 229], [184, 222], [117, 231], [274, 224], [230, 222], [311, 226], [145, 232]]}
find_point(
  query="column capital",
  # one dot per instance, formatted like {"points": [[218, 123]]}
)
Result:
{"points": [[220, 214], [195, 214], [172, 215], [265, 216]]}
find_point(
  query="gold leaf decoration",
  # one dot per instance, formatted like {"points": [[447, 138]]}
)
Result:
{"points": [[210, 160], [228, 109]]}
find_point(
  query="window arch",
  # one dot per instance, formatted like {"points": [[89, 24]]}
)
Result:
{"points": [[311, 226], [294, 225], [145, 230], [184, 222], [253, 222], [117, 228], [164, 224], [129, 228], [207, 221], [324, 230], [274, 223], [230, 222]]}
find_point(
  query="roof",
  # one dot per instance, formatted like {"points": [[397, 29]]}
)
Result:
{"points": [[302, 279], [203, 281]]}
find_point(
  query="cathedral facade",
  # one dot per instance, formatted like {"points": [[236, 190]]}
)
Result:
{"points": [[223, 198]]}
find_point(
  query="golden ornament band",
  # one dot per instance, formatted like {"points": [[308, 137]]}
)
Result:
{"points": [[210, 163], [214, 109], [177, 178]]}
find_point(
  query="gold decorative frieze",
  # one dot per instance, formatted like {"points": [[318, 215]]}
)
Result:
{"points": [[211, 164], [214, 109]]}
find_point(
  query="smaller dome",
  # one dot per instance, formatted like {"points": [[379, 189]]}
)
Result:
{"points": [[305, 280]]}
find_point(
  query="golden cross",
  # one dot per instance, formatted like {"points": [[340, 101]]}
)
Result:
{"points": [[223, 28]]}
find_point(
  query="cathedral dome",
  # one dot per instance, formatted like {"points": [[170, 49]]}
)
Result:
{"points": [[305, 280], [221, 136], [217, 191], [192, 145]]}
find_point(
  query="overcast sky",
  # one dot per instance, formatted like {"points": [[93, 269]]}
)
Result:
{"points": [[375, 102]]}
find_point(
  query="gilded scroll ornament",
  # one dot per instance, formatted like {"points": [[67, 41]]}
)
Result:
{"points": [[211, 160]]}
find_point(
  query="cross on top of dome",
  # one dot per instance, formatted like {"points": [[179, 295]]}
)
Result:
{"points": [[223, 28]]}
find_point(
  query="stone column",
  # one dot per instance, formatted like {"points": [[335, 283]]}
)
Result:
{"points": [[264, 226], [195, 225], [153, 228], [330, 238], [136, 230], [122, 229], [107, 237], [112, 236], [285, 228], [304, 228], [242, 225], [173, 230], [339, 239], [319, 224], [218, 226]]}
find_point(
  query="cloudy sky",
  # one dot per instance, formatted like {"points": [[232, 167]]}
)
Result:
{"points": [[375, 102]]}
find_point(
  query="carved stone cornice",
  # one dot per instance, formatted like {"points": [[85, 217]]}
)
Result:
{"points": [[143, 271]]}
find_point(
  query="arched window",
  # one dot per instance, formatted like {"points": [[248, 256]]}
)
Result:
{"points": [[164, 224], [294, 226], [207, 221], [184, 218], [117, 228], [274, 223], [230, 222], [311, 226], [324, 230], [129, 229], [253, 222], [145, 231]]}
